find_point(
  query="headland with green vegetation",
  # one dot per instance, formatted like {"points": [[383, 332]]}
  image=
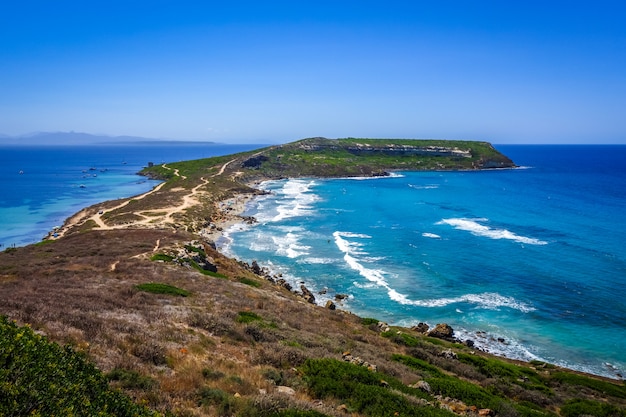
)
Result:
{"points": [[133, 311]]}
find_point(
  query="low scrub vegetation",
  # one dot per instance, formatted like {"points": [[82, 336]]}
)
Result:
{"points": [[160, 288], [43, 379]]}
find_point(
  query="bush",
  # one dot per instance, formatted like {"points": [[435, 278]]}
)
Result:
{"points": [[420, 365], [131, 379], [579, 407], [363, 391], [606, 388], [38, 377], [161, 257], [250, 282], [159, 288], [248, 317], [224, 403]]}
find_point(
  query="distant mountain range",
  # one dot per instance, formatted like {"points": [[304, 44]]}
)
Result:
{"points": [[78, 138]]}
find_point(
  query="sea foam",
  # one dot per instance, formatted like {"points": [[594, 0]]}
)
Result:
{"points": [[473, 226], [487, 300]]}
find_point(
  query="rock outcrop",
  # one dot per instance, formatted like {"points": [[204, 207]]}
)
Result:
{"points": [[442, 331]]}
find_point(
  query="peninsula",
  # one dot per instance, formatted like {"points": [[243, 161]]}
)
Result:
{"points": [[137, 287]]}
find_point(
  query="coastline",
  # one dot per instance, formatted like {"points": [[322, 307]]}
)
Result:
{"points": [[228, 213]]}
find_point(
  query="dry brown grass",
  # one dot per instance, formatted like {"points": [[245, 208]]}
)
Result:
{"points": [[70, 291], [197, 357]]}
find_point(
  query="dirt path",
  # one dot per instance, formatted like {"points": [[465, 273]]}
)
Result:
{"points": [[160, 216]]}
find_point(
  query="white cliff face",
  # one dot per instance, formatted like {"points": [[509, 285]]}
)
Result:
{"points": [[393, 149]]}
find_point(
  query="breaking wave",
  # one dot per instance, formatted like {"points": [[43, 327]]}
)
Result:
{"points": [[473, 226], [378, 277]]}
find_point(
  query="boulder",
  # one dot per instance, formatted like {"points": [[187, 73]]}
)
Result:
{"points": [[285, 390], [442, 331], [448, 354], [330, 305], [307, 294], [256, 268], [421, 328]]}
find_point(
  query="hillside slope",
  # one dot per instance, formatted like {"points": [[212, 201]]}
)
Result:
{"points": [[138, 287]]}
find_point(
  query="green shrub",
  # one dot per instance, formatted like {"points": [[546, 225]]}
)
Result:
{"points": [[211, 374], [368, 321], [131, 379], [580, 407], [192, 248], [250, 282], [426, 369], [224, 403], [298, 413], [401, 338], [247, 317], [463, 390], [605, 387], [161, 257], [38, 377], [363, 391], [493, 368], [198, 268], [159, 288]]}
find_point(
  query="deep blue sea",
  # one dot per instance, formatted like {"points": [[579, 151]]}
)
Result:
{"points": [[42, 186], [535, 256]]}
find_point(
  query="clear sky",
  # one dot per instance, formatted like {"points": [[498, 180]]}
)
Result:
{"points": [[276, 71]]}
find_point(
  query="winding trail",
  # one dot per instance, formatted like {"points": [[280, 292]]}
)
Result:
{"points": [[160, 216]]}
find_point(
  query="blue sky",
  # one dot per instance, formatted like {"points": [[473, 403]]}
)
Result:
{"points": [[277, 71]]}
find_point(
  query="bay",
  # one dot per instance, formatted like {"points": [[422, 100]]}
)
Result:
{"points": [[529, 263]]}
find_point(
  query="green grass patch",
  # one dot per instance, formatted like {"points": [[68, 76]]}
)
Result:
{"points": [[161, 257], [247, 317], [203, 271], [195, 249], [160, 288], [402, 338], [367, 321], [250, 282]]}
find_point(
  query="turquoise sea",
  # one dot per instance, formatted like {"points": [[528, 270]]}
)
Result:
{"points": [[41, 186], [529, 263]]}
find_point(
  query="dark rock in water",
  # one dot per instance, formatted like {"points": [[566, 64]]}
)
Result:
{"points": [[341, 296], [442, 331], [469, 343], [330, 305], [307, 294], [256, 268], [421, 328], [284, 284]]}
